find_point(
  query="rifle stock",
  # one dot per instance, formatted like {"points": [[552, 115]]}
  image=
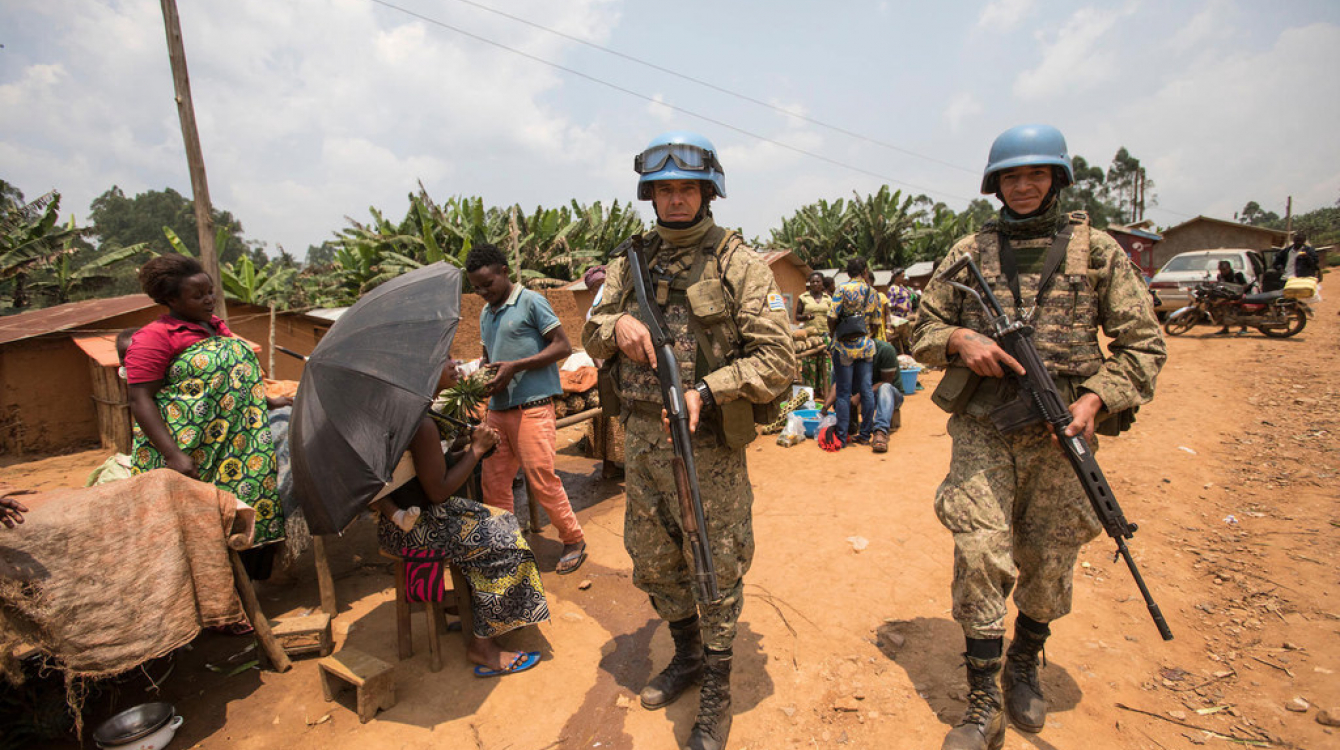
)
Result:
{"points": [[672, 395], [1039, 400]]}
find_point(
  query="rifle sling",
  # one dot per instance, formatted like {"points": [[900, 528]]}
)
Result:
{"points": [[1009, 266]]}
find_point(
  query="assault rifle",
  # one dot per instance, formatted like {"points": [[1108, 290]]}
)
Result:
{"points": [[672, 394], [1039, 400]]}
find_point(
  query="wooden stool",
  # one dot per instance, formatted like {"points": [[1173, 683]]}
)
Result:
{"points": [[437, 622], [301, 635], [373, 680]]}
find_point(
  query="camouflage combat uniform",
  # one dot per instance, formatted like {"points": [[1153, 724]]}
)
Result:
{"points": [[760, 366], [1016, 510]]}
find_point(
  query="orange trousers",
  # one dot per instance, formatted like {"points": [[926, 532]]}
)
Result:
{"points": [[526, 439]]}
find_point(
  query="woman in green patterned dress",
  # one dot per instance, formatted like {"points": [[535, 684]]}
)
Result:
{"points": [[198, 399]]}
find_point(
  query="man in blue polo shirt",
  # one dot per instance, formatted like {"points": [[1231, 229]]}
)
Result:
{"points": [[523, 343]]}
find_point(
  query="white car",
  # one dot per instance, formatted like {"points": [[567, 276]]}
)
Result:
{"points": [[1173, 282]]}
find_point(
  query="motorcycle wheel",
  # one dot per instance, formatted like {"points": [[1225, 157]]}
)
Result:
{"points": [[1177, 325], [1297, 322]]}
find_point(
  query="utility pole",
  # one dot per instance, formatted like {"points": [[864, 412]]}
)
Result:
{"points": [[1288, 221], [195, 160]]}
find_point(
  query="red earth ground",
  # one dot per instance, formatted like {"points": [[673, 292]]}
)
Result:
{"points": [[1230, 473]]}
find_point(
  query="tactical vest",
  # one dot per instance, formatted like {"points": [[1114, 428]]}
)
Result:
{"points": [[696, 304], [1066, 319]]}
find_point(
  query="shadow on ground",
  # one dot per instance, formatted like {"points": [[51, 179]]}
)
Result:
{"points": [[930, 650]]}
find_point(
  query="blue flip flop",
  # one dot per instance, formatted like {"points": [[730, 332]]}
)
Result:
{"points": [[524, 660]]}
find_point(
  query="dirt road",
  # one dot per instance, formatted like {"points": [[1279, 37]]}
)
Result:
{"points": [[1230, 473]]}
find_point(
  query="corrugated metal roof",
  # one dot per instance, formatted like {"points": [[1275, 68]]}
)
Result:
{"points": [[70, 315], [923, 268], [1136, 232]]}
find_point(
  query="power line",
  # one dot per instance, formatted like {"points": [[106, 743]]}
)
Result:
{"points": [[723, 90], [652, 100]]}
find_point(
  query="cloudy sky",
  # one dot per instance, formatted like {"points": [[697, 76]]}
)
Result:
{"points": [[313, 110]]}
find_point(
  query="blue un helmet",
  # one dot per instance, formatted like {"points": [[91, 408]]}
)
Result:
{"points": [[1027, 145], [678, 155]]}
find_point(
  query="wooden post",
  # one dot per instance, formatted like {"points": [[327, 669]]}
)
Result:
{"points": [[514, 235], [325, 582], [195, 160], [273, 373], [252, 606], [1288, 221]]}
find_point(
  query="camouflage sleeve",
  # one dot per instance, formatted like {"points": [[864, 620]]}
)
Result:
{"points": [[1126, 313], [940, 312], [769, 362], [598, 333]]}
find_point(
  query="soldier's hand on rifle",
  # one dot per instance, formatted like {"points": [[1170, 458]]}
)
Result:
{"points": [[693, 404], [634, 340], [982, 354], [1085, 414]]}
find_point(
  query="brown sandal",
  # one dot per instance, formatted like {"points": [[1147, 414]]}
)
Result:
{"points": [[880, 444]]}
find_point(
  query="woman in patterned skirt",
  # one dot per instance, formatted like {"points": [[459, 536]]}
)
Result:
{"points": [[424, 519], [199, 402]]}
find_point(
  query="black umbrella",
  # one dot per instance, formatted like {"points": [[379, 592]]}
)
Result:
{"points": [[364, 390]]}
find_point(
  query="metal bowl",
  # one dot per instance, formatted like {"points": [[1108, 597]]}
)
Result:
{"points": [[134, 723]]}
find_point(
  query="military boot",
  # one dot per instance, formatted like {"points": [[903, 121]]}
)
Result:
{"points": [[713, 724], [1023, 693], [983, 724], [684, 669]]}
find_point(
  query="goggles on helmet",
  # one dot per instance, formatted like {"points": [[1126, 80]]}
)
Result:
{"points": [[686, 156]]}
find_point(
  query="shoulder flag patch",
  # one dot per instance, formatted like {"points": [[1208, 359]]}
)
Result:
{"points": [[776, 301]]}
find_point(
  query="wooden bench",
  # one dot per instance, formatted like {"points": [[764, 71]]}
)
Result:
{"points": [[372, 679]]}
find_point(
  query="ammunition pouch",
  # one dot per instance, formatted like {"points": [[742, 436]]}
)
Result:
{"points": [[1116, 423], [955, 390], [735, 425], [607, 385]]}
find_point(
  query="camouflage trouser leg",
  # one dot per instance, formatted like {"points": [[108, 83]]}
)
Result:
{"points": [[654, 533], [1018, 515]]}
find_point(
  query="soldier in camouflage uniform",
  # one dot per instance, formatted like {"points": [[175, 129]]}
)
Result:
{"points": [[1017, 512], [733, 344]]}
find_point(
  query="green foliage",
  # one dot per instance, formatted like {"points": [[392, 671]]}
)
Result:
{"points": [[551, 242], [245, 282], [31, 240], [1322, 225], [119, 221]]}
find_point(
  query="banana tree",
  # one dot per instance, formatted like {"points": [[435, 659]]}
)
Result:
{"points": [[30, 240], [245, 282], [62, 281], [881, 223]]}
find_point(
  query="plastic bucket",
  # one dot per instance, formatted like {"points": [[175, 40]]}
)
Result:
{"points": [[909, 378], [810, 418]]}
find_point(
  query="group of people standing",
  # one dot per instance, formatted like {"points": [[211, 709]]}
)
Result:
{"points": [[1017, 514]]}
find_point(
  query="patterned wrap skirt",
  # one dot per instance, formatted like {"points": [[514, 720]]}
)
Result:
{"points": [[487, 545], [213, 403]]}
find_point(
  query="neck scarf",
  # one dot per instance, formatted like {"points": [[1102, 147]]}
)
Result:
{"points": [[1044, 224], [687, 237]]}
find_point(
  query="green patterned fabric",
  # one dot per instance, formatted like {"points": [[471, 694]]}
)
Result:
{"points": [[213, 403]]}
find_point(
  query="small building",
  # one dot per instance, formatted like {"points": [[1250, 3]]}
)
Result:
{"points": [[919, 273], [1139, 245], [1205, 233], [59, 389]]}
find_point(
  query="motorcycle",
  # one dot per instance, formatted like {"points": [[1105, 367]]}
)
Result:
{"points": [[1222, 304]]}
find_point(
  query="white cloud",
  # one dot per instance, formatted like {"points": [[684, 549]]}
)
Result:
{"points": [[1239, 126], [1213, 23], [1082, 55], [961, 108], [307, 110], [659, 110], [1003, 15]]}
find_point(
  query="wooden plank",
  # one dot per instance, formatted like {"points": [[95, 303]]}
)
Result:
{"points": [[325, 582], [252, 606]]}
